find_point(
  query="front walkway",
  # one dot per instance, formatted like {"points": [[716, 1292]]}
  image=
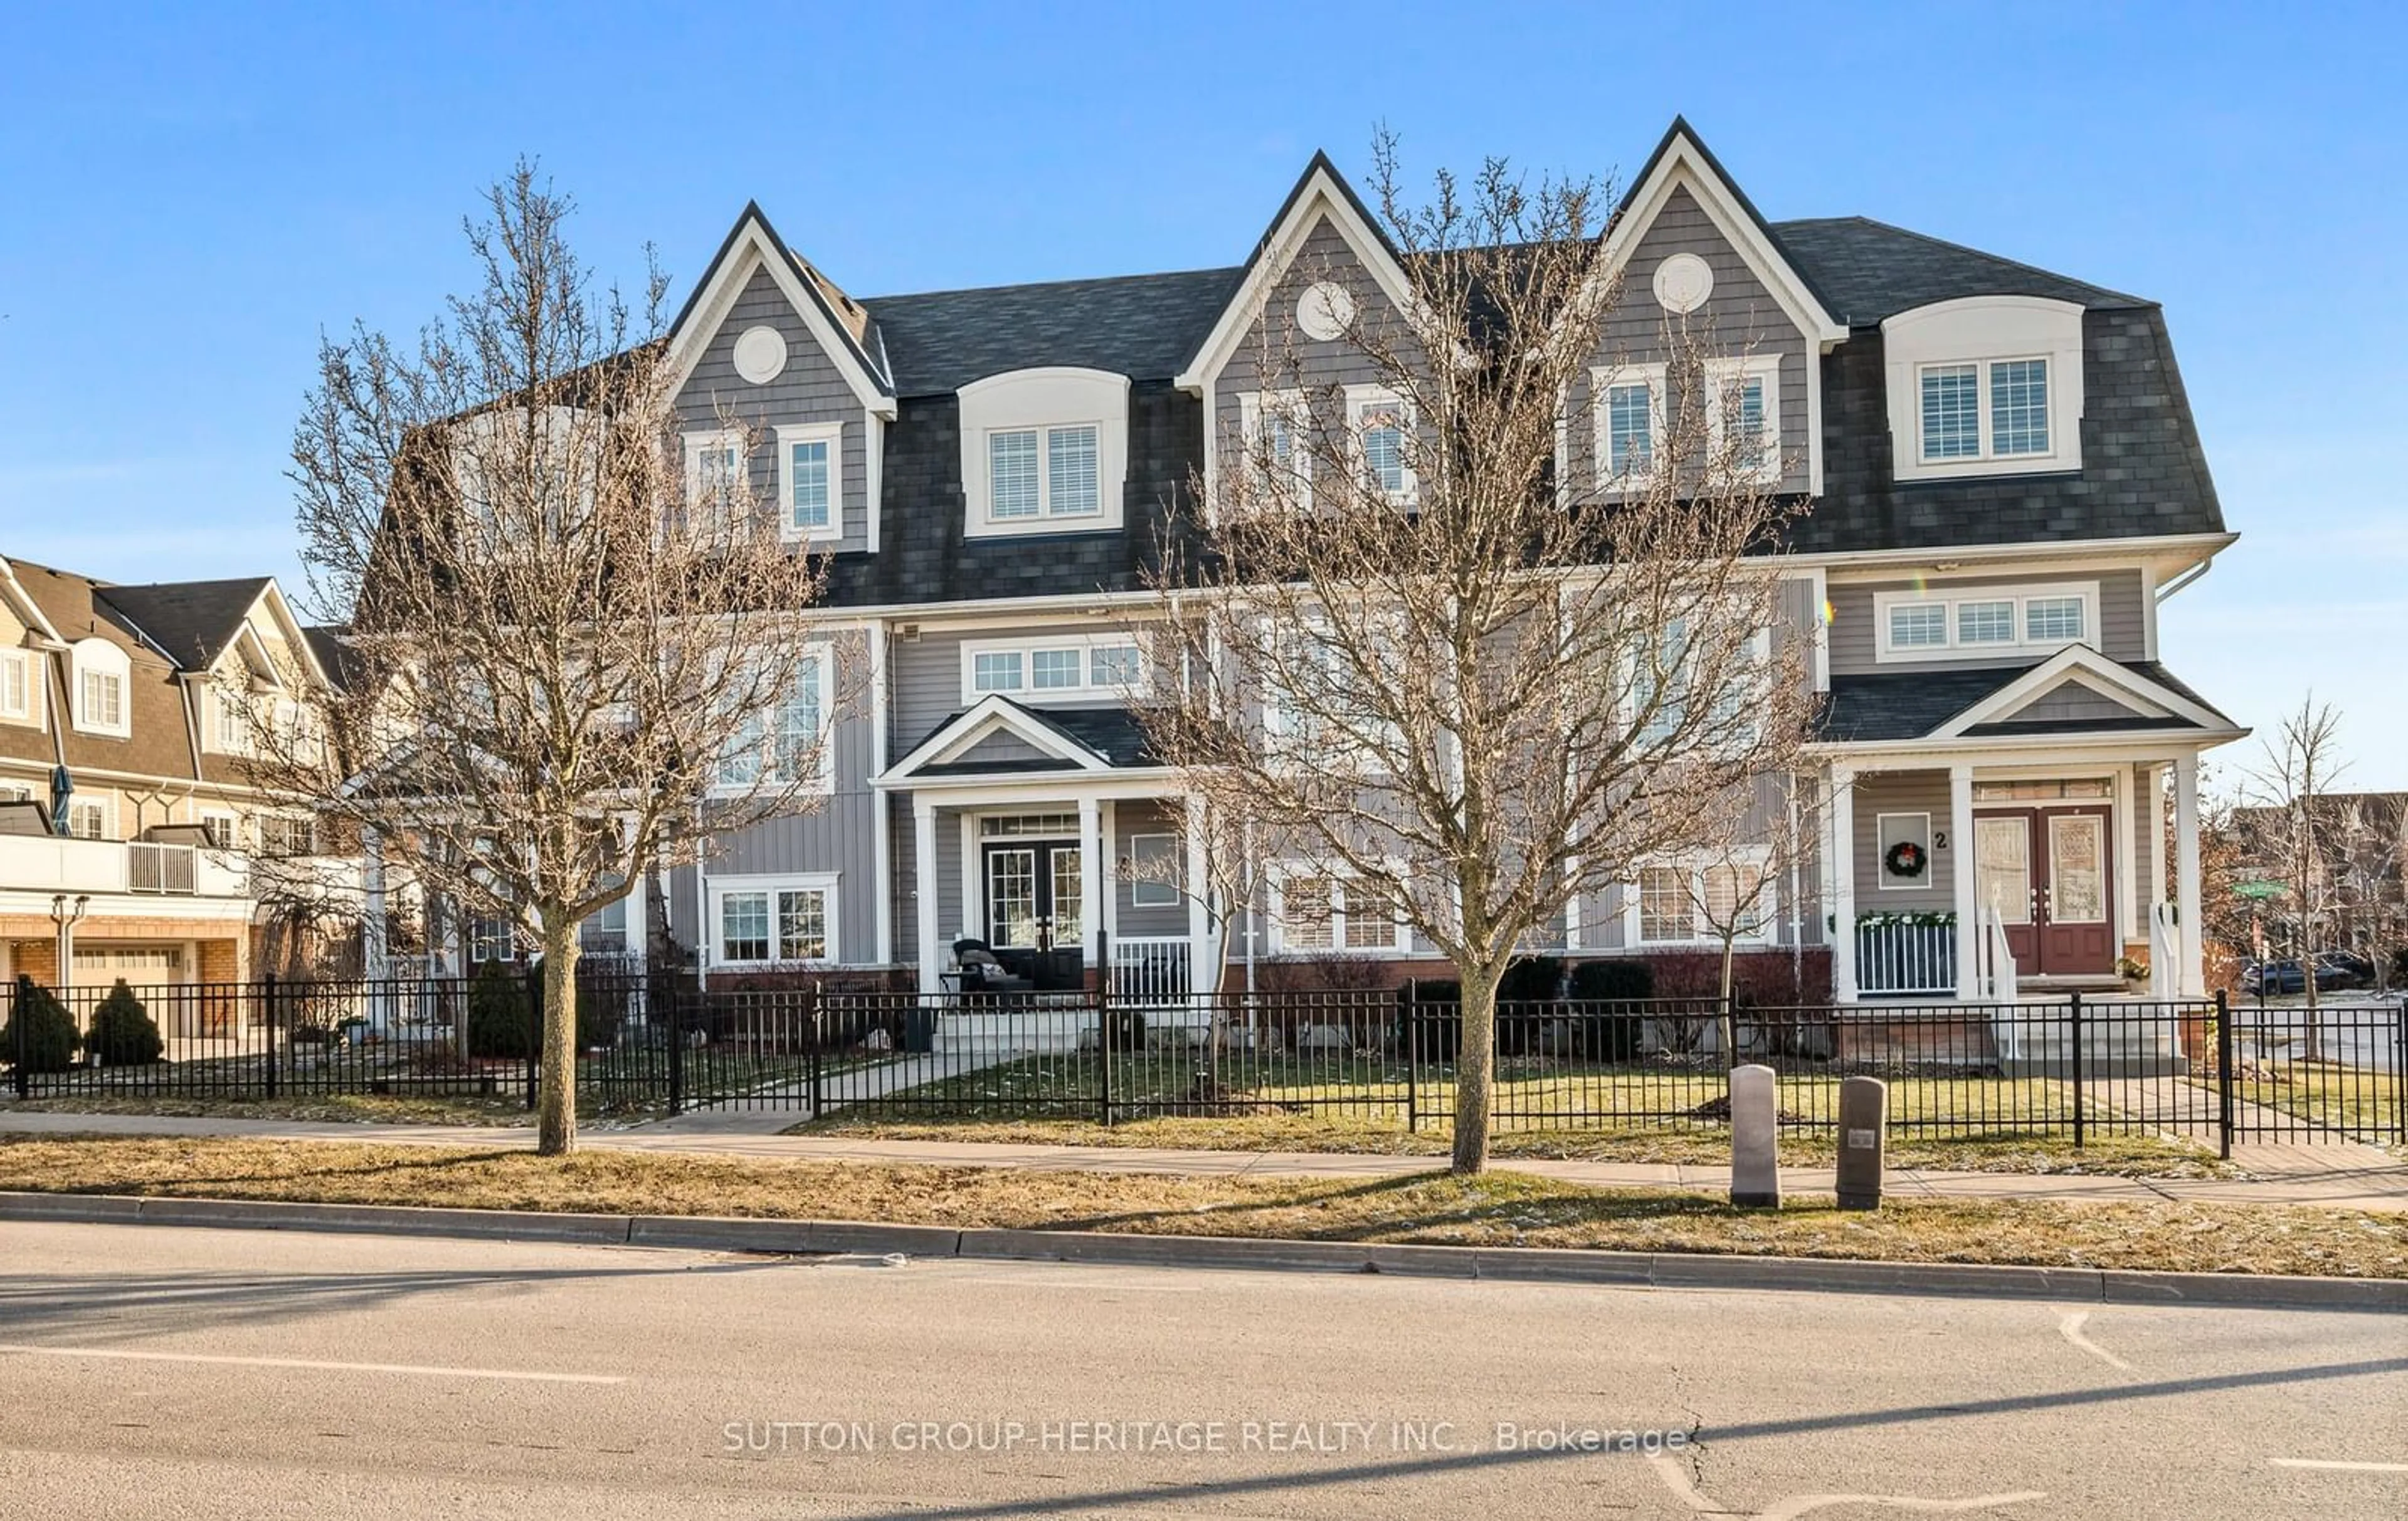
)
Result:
{"points": [[2339, 1176]]}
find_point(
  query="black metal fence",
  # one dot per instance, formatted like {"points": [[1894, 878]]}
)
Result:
{"points": [[2070, 1067]]}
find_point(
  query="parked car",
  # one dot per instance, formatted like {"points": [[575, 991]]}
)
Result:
{"points": [[2334, 970]]}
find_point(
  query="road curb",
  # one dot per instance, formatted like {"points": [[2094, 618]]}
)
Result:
{"points": [[1559, 1265]]}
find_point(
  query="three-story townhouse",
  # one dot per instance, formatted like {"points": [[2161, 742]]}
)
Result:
{"points": [[2003, 482]]}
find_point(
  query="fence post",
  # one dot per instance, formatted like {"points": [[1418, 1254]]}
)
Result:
{"points": [[535, 1034], [2224, 1077], [1413, 1026], [1103, 997], [676, 1048], [267, 998], [20, 1019], [2400, 1069], [2078, 1117], [819, 1032]]}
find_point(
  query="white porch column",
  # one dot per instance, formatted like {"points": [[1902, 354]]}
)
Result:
{"points": [[924, 882], [2187, 892], [1091, 873], [1200, 963], [1960, 855], [374, 930], [1843, 883]]}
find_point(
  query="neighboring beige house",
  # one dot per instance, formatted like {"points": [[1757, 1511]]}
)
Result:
{"points": [[127, 830]]}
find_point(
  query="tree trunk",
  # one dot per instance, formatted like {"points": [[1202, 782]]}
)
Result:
{"points": [[1727, 1020], [1475, 1071], [556, 1084]]}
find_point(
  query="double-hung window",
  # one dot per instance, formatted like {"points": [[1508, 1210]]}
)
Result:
{"points": [[1630, 423], [1683, 904], [1997, 409], [766, 922], [1040, 473], [1277, 432], [1384, 442], [1743, 416], [16, 684], [1327, 911], [88, 820], [284, 836], [715, 482], [234, 723], [787, 744], [810, 484], [101, 674]]}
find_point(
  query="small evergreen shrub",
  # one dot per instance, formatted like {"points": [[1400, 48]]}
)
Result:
{"points": [[501, 1016], [1605, 1034], [123, 1032], [49, 1034], [1526, 999], [1430, 1013]]}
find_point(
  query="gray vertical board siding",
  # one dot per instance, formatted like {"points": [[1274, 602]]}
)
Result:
{"points": [[1741, 318], [2147, 809], [810, 389], [1800, 615], [906, 878], [950, 908], [2122, 634], [1273, 336], [838, 835], [1904, 791], [1131, 818]]}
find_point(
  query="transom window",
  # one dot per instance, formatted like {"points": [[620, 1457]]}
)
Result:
{"points": [[1068, 667], [1991, 620], [1045, 473], [1317, 910], [1996, 410], [774, 923]]}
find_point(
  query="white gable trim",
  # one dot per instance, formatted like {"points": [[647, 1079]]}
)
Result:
{"points": [[2086, 665], [753, 249], [995, 715], [1319, 196], [28, 611], [1683, 163]]}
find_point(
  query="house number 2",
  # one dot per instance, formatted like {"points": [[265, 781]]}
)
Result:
{"points": [[1940, 839]]}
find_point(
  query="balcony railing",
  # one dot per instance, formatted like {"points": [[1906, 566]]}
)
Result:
{"points": [[56, 863], [161, 868]]}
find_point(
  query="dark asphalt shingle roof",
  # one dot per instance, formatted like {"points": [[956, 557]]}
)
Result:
{"points": [[1113, 733], [1145, 326], [193, 621], [1910, 704], [1868, 270]]}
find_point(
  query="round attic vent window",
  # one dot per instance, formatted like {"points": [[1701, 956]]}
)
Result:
{"points": [[1324, 310], [1683, 283], [761, 354]]}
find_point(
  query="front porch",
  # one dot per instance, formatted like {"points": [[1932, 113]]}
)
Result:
{"points": [[2017, 876]]}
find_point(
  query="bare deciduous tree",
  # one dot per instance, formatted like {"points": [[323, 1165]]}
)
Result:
{"points": [[1464, 683], [1750, 846], [2294, 828], [575, 656]]}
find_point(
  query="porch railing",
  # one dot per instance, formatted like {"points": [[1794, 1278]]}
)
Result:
{"points": [[1906, 957], [1151, 970]]}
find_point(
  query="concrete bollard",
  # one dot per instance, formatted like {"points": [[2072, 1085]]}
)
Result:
{"points": [[1755, 1164], [1864, 1120]]}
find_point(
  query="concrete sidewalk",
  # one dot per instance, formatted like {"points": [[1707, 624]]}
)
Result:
{"points": [[2339, 1176]]}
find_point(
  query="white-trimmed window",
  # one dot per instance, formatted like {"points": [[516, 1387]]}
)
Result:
{"points": [[101, 674], [1939, 624], [716, 480], [1743, 415], [1316, 710], [1891, 831], [15, 792], [1997, 409], [605, 930], [1630, 423], [1154, 871], [16, 684], [88, 818], [286, 834], [810, 479], [230, 728], [1062, 668], [1680, 903], [1984, 385], [1044, 451], [1317, 910], [222, 828], [1382, 425], [1277, 438], [492, 938], [773, 920], [789, 743]]}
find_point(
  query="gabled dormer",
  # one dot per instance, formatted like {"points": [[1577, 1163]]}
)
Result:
{"points": [[768, 340]]}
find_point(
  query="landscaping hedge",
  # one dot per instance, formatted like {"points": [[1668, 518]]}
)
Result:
{"points": [[123, 1032], [50, 1038]]}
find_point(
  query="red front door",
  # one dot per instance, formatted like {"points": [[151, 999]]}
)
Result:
{"points": [[2050, 873]]}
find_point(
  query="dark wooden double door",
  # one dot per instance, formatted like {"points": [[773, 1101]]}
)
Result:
{"points": [[2050, 873], [1033, 906]]}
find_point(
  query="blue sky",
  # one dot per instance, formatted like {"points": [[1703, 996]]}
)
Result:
{"points": [[192, 194]]}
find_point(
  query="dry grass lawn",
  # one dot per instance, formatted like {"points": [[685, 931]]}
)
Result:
{"points": [[1500, 1210]]}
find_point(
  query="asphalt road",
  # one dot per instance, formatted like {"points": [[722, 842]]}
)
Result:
{"points": [[147, 1372]]}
